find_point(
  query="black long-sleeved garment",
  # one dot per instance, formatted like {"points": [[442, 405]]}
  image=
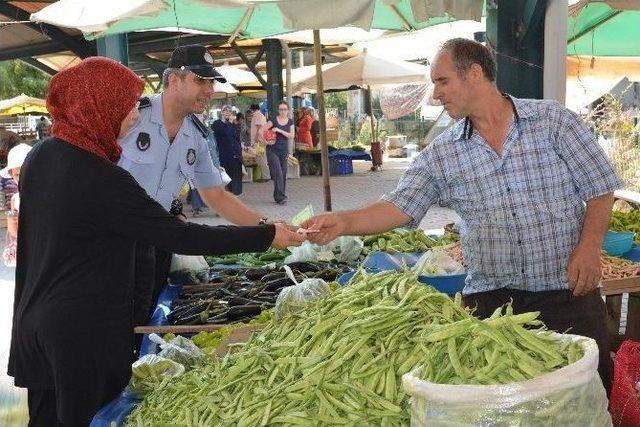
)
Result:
{"points": [[72, 324]]}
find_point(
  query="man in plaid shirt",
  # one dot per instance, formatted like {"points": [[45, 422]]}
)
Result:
{"points": [[531, 185]]}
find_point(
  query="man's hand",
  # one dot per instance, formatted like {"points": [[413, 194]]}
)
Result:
{"points": [[285, 238], [584, 269], [328, 226]]}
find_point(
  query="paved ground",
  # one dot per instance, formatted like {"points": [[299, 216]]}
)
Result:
{"points": [[348, 192]]}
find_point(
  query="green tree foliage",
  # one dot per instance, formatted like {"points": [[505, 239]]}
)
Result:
{"points": [[336, 100], [16, 77]]}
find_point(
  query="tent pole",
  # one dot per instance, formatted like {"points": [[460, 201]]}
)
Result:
{"points": [[373, 123], [317, 53]]}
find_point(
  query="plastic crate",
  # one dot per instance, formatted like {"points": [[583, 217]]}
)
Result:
{"points": [[617, 243], [340, 166]]}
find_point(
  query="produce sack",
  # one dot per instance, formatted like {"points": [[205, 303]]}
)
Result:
{"points": [[625, 393], [571, 396], [180, 349], [149, 371], [300, 295], [437, 262], [188, 269]]}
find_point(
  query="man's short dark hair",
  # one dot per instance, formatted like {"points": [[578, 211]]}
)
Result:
{"points": [[465, 53], [254, 107]]}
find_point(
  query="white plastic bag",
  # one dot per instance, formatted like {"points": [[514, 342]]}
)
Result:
{"points": [[344, 249], [437, 262], [188, 269], [570, 396], [300, 295], [188, 262], [179, 349], [350, 248], [150, 370]]}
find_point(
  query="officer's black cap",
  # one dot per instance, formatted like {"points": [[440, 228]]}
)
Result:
{"points": [[197, 59]]}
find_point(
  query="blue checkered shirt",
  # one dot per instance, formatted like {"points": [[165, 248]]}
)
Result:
{"points": [[522, 213]]}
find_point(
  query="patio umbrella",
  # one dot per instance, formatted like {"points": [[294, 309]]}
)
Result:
{"points": [[364, 71], [22, 104]]}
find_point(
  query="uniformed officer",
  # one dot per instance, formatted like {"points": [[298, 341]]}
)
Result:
{"points": [[166, 148]]}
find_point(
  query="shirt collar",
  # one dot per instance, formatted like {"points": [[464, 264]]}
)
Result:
{"points": [[158, 118], [521, 110]]}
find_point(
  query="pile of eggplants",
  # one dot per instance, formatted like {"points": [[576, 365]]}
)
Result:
{"points": [[238, 294]]}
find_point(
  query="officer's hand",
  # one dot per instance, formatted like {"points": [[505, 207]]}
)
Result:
{"points": [[584, 269], [285, 237], [325, 227]]}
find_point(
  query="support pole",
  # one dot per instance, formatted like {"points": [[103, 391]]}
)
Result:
{"points": [[317, 53], [515, 31], [116, 47], [273, 52], [373, 121]]}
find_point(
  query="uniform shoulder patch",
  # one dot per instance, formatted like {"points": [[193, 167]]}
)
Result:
{"points": [[202, 128], [145, 102]]}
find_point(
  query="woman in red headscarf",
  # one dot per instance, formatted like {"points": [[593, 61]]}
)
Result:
{"points": [[80, 216]]}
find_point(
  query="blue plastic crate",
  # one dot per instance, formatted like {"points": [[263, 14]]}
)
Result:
{"points": [[617, 243], [380, 261], [340, 166]]}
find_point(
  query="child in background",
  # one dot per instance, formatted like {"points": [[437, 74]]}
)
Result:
{"points": [[15, 159]]}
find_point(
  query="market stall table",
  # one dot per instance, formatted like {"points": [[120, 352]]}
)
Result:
{"points": [[614, 290], [340, 161]]}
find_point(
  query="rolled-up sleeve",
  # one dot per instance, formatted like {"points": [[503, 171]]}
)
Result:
{"points": [[592, 173], [417, 190]]}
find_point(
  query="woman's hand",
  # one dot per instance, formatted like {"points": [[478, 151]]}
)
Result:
{"points": [[284, 237]]}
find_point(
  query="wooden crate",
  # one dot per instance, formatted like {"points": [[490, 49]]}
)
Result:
{"points": [[613, 290], [238, 335]]}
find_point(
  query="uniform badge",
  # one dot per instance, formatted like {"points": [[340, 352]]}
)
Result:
{"points": [[191, 156], [143, 142]]}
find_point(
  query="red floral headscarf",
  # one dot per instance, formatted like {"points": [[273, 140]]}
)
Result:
{"points": [[88, 103]]}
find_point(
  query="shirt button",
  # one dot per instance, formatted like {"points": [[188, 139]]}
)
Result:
{"points": [[522, 270], [513, 213], [519, 242], [508, 188]]}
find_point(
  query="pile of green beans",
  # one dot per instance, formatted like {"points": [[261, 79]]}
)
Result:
{"points": [[497, 350], [338, 362], [400, 240]]}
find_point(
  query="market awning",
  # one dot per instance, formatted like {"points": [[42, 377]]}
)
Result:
{"points": [[22, 104], [600, 28], [252, 19]]}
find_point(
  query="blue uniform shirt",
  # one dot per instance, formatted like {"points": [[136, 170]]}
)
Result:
{"points": [[160, 167]]}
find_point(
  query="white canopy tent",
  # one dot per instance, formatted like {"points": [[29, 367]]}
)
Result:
{"points": [[366, 70]]}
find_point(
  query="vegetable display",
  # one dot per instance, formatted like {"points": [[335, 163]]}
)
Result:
{"points": [[400, 240], [340, 361], [251, 259], [238, 294], [626, 221], [618, 268]]}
